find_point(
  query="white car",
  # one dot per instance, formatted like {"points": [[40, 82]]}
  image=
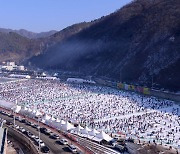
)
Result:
{"points": [[72, 148], [17, 127], [23, 130], [33, 136], [40, 142], [64, 141]]}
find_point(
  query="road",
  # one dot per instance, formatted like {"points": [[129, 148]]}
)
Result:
{"points": [[57, 149], [54, 148]]}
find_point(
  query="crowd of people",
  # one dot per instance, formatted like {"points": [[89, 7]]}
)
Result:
{"points": [[99, 107]]}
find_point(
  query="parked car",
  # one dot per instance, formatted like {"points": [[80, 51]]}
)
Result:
{"points": [[72, 148], [33, 137], [17, 118], [11, 115], [17, 127], [9, 123], [62, 141], [26, 132], [23, 130], [48, 132], [54, 136], [20, 128], [28, 123], [43, 129], [23, 120], [29, 134], [45, 149], [39, 141], [34, 126]]}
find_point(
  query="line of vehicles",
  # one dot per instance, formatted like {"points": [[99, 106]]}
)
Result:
{"points": [[37, 141], [116, 144]]}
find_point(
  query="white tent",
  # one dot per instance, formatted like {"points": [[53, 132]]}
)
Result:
{"points": [[62, 122], [52, 118], [86, 130], [38, 113], [25, 108], [57, 120], [93, 132], [43, 120], [103, 136], [78, 129], [67, 126], [47, 117], [17, 108], [56, 123], [29, 110], [34, 111]]}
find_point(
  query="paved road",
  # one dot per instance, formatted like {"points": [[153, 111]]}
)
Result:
{"points": [[55, 148]]}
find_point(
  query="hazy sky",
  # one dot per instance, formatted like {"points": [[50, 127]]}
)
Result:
{"points": [[44, 15]]}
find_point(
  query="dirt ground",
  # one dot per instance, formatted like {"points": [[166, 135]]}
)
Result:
{"points": [[156, 149], [14, 147]]}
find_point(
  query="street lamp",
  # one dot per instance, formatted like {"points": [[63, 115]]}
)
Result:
{"points": [[38, 114]]}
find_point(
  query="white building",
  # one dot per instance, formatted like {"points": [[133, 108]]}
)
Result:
{"points": [[21, 68], [11, 64], [9, 68], [79, 80]]}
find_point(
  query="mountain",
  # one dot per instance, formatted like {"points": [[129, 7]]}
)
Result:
{"points": [[14, 47], [136, 44], [66, 33], [28, 34], [19, 47]]}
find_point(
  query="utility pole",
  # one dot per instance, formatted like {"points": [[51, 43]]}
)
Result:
{"points": [[14, 113], [39, 133], [38, 114]]}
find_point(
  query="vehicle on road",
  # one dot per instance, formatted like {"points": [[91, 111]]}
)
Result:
{"points": [[62, 141], [23, 130], [22, 120], [43, 129], [33, 137], [39, 141], [11, 115], [48, 132], [29, 134], [54, 136], [34, 126], [72, 148], [9, 123], [45, 149]]}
